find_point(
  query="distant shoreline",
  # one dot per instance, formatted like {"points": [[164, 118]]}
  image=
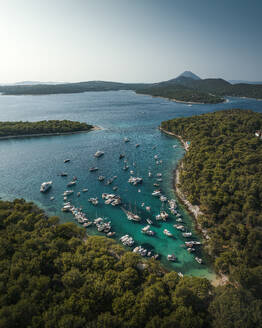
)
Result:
{"points": [[182, 101], [94, 128]]}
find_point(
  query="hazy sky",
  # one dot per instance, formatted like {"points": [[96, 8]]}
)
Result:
{"points": [[129, 41]]}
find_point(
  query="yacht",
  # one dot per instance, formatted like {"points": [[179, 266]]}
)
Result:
{"points": [[167, 233], [135, 180], [99, 153], [92, 169], [45, 186], [163, 198], [171, 257], [71, 183], [164, 215], [199, 260], [68, 192], [156, 193], [187, 234]]}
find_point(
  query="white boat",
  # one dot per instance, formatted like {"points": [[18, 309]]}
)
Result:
{"points": [[179, 227], [101, 178], [137, 145], [52, 198], [148, 208], [171, 257], [164, 215], [187, 234], [167, 233], [150, 174], [68, 192], [155, 157], [159, 174], [149, 221], [199, 260], [99, 153], [45, 186], [66, 160], [163, 198], [71, 183], [156, 193], [135, 180], [78, 194], [85, 190], [126, 139]]}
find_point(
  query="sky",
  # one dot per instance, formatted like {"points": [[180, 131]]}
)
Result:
{"points": [[129, 40]]}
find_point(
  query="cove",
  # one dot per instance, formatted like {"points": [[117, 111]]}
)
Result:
{"points": [[26, 163]]}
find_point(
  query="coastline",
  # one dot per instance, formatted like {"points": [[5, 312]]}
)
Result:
{"points": [[94, 128], [181, 101], [219, 279]]}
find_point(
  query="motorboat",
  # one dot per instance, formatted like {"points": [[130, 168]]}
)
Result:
{"points": [[171, 257], [199, 260], [99, 153], [46, 186], [93, 169], [71, 183], [156, 193], [167, 233]]}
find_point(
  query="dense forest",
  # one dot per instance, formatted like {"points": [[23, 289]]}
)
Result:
{"points": [[222, 173], [41, 127], [53, 275]]}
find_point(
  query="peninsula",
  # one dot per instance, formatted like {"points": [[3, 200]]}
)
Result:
{"points": [[42, 128], [220, 176]]}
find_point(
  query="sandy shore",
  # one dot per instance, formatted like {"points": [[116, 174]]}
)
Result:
{"points": [[94, 128], [219, 280]]}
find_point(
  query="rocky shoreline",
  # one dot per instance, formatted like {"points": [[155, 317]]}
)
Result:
{"points": [[220, 279]]}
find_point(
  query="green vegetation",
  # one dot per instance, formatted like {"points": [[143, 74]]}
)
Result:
{"points": [[41, 127], [52, 275], [181, 93], [222, 173], [182, 88]]}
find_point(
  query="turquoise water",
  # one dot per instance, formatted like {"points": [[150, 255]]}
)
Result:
{"points": [[26, 163]]}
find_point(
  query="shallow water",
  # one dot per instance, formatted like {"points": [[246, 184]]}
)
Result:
{"points": [[26, 163]]}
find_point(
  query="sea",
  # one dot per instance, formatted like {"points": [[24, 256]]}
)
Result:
{"points": [[27, 162]]}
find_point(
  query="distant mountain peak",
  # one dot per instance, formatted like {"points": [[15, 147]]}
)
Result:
{"points": [[190, 75]]}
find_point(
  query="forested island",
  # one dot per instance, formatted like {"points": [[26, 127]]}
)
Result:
{"points": [[187, 87], [53, 275], [222, 174], [51, 127]]}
